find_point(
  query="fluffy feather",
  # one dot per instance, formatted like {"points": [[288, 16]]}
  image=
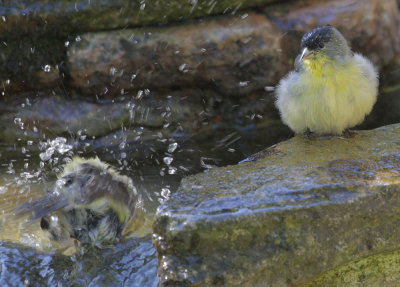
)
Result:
{"points": [[328, 94]]}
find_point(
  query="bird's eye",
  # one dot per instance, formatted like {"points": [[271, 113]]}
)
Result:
{"points": [[68, 182], [321, 45]]}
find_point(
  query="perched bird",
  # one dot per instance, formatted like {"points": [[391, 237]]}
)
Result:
{"points": [[331, 90], [90, 202]]}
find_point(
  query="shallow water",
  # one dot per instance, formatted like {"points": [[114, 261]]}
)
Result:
{"points": [[29, 258]]}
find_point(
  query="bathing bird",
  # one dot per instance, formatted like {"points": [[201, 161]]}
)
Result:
{"points": [[331, 89], [90, 202]]}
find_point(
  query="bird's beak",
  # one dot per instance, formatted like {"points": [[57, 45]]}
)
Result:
{"points": [[305, 54]]}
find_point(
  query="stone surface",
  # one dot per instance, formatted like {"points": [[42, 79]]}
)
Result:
{"points": [[371, 26], [285, 215], [31, 63], [373, 271], [231, 55], [69, 16], [47, 115], [387, 109]]}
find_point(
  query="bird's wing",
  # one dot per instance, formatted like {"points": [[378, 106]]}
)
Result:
{"points": [[41, 206]]}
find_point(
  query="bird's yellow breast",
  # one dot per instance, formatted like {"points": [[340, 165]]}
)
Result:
{"points": [[323, 71], [326, 96]]}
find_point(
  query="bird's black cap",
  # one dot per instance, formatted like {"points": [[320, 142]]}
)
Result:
{"points": [[317, 38]]}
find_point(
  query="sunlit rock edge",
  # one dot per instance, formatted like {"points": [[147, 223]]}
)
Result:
{"points": [[284, 216]]}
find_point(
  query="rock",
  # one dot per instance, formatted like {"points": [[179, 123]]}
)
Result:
{"points": [[386, 111], [371, 27], [67, 16], [42, 117], [234, 56], [31, 63], [376, 270], [46, 115], [285, 215]]}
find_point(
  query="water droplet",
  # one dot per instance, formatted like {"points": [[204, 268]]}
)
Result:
{"points": [[123, 155], [78, 38], [47, 68], [244, 83], [3, 189], [58, 145], [269, 88], [19, 122], [113, 70], [182, 67], [168, 160], [172, 170], [204, 162], [162, 173], [46, 155], [165, 192], [66, 43], [122, 145], [139, 94], [172, 147]]}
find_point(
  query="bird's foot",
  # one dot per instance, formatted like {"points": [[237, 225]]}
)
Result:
{"points": [[349, 134], [309, 134]]}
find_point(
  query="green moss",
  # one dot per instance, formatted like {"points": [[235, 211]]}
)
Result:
{"points": [[377, 270]]}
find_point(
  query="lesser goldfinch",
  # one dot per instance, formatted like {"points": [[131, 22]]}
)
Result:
{"points": [[90, 202], [331, 90]]}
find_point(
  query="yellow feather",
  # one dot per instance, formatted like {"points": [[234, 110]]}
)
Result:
{"points": [[328, 97]]}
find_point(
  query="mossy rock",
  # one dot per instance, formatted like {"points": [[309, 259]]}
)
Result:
{"points": [[285, 215], [71, 16]]}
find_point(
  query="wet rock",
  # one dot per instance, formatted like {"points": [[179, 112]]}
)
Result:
{"points": [[67, 16], [46, 115], [376, 270], [42, 117], [371, 27], [386, 111], [31, 63], [234, 56], [285, 215]]}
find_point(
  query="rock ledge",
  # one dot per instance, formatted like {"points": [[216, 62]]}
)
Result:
{"points": [[285, 215]]}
